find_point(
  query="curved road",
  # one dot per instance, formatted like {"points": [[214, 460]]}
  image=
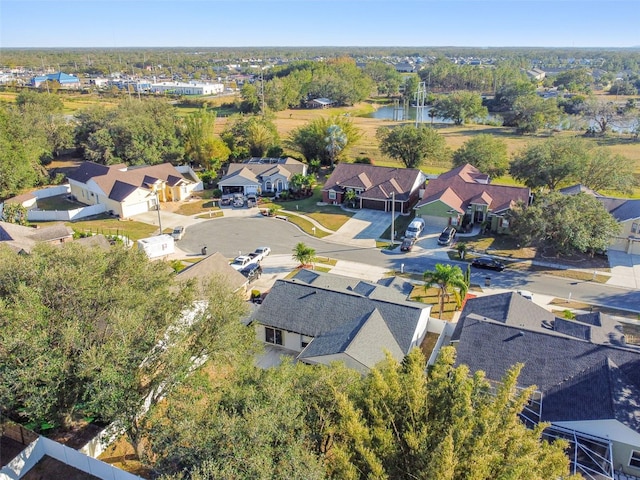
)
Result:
{"points": [[231, 236]]}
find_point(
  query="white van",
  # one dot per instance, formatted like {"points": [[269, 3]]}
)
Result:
{"points": [[415, 228]]}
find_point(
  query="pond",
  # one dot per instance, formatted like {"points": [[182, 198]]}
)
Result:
{"points": [[389, 112]]}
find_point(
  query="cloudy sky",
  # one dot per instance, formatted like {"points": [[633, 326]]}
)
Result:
{"points": [[262, 23]]}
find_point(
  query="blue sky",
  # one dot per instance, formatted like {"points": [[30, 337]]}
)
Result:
{"points": [[262, 23]]}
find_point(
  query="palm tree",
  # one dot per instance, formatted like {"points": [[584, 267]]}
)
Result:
{"points": [[448, 278], [303, 254], [335, 142]]}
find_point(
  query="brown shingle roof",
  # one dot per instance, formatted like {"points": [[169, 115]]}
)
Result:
{"points": [[465, 185], [378, 182]]}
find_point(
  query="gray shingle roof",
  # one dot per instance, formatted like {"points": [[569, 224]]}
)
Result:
{"points": [[312, 310], [622, 209], [563, 367], [364, 340], [601, 392]]}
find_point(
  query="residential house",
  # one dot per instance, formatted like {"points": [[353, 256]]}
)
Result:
{"points": [[587, 377], [215, 264], [376, 188], [256, 176], [127, 191], [625, 210], [322, 318], [320, 103], [22, 239], [464, 196]]}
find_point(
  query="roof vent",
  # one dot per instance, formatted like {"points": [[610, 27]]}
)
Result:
{"points": [[521, 333]]}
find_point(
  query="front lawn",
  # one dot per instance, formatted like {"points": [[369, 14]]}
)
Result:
{"points": [[430, 296], [194, 207], [112, 226]]}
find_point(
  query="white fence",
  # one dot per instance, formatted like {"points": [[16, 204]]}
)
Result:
{"points": [[52, 191], [65, 215], [36, 450], [445, 329]]}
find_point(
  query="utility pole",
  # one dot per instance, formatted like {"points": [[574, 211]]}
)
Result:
{"points": [[421, 98], [158, 208], [393, 218]]}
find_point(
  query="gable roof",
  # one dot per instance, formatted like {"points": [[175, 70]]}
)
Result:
{"points": [[313, 311], [564, 364], [253, 169], [363, 340], [212, 265], [378, 183], [462, 186], [119, 181]]}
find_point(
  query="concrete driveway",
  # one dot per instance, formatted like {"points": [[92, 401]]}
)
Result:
{"points": [[363, 229], [625, 269]]}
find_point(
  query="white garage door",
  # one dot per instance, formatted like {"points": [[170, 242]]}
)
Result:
{"points": [[135, 209], [433, 221]]}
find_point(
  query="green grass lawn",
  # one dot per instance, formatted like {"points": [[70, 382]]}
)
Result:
{"points": [[58, 202], [113, 226]]}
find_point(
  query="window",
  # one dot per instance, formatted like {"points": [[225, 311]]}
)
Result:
{"points": [[273, 335], [634, 461], [634, 228], [332, 194], [504, 223]]}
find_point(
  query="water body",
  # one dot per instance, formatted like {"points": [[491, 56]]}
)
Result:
{"points": [[388, 112]]}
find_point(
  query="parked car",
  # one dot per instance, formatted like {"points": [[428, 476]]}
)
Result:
{"points": [[488, 263], [264, 251], [415, 228], [407, 244], [447, 236], [178, 233], [252, 271], [525, 294], [241, 261]]}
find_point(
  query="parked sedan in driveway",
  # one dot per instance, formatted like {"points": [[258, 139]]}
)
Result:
{"points": [[447, 236], [488, 263], [252, 272]]}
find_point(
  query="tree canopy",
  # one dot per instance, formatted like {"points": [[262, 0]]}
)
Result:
{"points": [[136, 133], [460, 107], [413, 145], [566, 223], [561, 160], [311, 140], [94, 333], [485, 152]]}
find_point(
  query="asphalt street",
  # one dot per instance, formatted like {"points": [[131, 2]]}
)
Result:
{"points": [[233, 236]]}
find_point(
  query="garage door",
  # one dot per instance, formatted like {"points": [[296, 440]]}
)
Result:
{"points": [[634, 248], [135, 209], [433, 221], [618, 243]]}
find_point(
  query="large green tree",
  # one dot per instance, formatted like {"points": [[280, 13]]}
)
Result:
{"points": [[311, 140], [200, 144], [485, 152], [561, 160], [566, 223], [136, 133], [460, 107], [86, 332], [251, 135], [413, 145], [548, 163], [531, 113]]}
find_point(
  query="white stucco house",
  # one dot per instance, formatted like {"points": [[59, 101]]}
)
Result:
{"points": [[127, 191]]}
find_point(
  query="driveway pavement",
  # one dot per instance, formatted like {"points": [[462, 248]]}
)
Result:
{"points": [[625, 269], [362, 229]]}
